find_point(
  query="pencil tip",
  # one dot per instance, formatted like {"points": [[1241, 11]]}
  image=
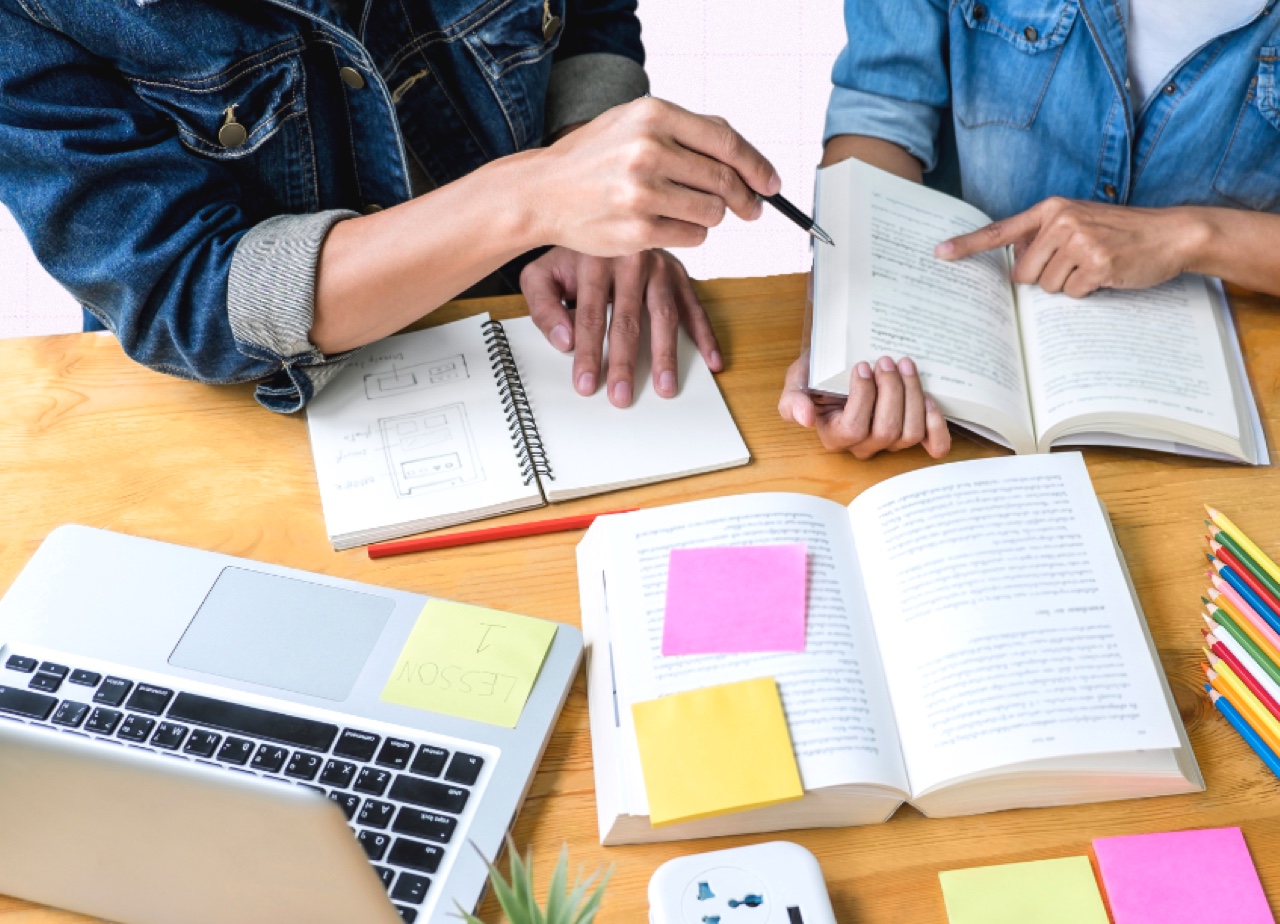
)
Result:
{"points": [[1213, 514]]}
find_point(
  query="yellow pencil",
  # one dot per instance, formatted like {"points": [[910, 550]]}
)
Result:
{"points": [[1223, 523], [1247, 704]]}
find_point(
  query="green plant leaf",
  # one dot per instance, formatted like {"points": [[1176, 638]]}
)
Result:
{"points": [[565, 904]]}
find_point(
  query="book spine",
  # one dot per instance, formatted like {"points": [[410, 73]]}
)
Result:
{"points": [[521, 423]]}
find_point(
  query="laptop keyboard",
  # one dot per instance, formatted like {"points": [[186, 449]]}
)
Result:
{"points": [[402, 797]]}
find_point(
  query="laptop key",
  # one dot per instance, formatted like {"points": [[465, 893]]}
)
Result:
{"points": [[236, 751], [347, 802], [374, 843], [303, 766], [357, 745], [377, 814], [408, 915], [70, 714], [429, 794], [410, 888], [256, 723], [386, 875], [103, 721], [415, 855], [136, 728], [338, 773], [26, 704], [169, 736], [396, 753], [58, 670], [372, 781], [113, 691], [428, 825], [464, 769], [149, 699], [202, 743], [270, 758], [430, 760], [45, 682], [21, 664], [86, 678], [312, 788]]}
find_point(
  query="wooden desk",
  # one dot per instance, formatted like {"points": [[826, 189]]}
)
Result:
{"points": [[87, 436]]}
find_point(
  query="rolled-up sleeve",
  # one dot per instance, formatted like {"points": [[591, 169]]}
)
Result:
{"points": [[146, 234], [598, 64], [890, 81]]}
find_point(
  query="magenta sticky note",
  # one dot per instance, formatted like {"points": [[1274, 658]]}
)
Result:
{"points": [[732, 600], [1184, 877]]}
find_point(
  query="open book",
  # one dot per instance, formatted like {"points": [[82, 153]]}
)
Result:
{"points": [[479, 417], [973, 644], [1158, 368]]}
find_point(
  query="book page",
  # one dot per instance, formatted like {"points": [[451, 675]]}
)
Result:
{"points": [[883, 288], [593, 446], [834, 693], [413, 429], [1154, 352], [1004, 622]]}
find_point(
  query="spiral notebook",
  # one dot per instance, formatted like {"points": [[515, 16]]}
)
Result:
{"points": [[479, 417]]}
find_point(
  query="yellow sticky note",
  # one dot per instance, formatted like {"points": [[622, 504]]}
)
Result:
{"points": [[1041, 892], [470, 662], [716, 750]]}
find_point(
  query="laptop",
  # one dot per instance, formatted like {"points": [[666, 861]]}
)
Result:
{"points": [[188, 736]]}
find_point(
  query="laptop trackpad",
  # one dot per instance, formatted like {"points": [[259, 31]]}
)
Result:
{"points": [[283, 633]]}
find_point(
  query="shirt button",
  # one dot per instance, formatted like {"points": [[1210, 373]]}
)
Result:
{"points": [[1170, 89], [1128, 84], [352, 78], [371, 208], [1109, 191], [232, 135], [1031, 33], [979, 12]]}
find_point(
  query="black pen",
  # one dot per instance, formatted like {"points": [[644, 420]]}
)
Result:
{"points": [[800, 218]]}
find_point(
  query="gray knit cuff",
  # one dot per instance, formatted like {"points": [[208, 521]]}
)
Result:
{"points": [[586, 85], [271, 296]]}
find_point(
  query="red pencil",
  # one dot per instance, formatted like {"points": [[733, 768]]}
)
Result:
{"points": [[471, 537], [1257, 689], [1225, 556]]}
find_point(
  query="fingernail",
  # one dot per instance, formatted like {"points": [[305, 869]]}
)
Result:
{"points": [[944, 250], [586, 384], [667, 382], [775, 184], [759, 209], [622, 394], [885, 364], [864, 370], [560, 338], [716, 362], [906, 366], [929, 404]]}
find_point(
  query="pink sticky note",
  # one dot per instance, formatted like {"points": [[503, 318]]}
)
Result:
{"points": [[1184, 877], [735, 600]]}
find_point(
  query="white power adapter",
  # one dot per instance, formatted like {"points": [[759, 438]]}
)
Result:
{"points": [[774, 883]]}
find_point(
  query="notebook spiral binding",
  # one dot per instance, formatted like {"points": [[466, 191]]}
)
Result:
{"points": [[515, 401]]}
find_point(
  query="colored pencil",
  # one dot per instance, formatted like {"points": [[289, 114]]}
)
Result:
{"points": [[1250, 663], [1246, 574], [1237, 721], [1222, 619], [1219, 655], [471, 537], [1248, 625], [1248, 706], [1224, 523], [1217, 535], [1256, 603]]}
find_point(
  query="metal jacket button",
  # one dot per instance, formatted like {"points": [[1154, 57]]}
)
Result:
{"points": [[1031, 33], [550, 22], [352, 78], [372, 208], [1109, 191], [232, 134], [979, 12]]}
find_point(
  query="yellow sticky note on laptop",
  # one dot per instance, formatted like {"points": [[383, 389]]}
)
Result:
{"points": [[716, 750], [1040, 892], [470, 662]]}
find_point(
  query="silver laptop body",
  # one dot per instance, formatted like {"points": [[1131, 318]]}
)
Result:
{"points": [[191, 737]]}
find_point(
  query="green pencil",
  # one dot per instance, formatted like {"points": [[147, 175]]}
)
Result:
{"points": [[1222, 537], [1222, 619]]}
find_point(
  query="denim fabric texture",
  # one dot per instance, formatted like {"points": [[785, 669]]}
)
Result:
{"points": [[111, 158], [1034, 93]]}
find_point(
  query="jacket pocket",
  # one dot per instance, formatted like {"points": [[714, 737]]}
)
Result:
{"points": [[1003, 55], [517, 32], [1249, 174], [250, 116]]}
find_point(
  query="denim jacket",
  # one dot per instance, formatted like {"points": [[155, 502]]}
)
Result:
{"points": [[176, 164], [1007, 102]]}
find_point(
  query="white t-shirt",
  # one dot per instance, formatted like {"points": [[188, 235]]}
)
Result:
{"points": [[1162, 33]]}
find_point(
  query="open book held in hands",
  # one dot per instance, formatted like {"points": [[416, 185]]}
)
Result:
{"points": [[1155, 368], [973, 644]]}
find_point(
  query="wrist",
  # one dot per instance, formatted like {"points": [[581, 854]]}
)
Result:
{"points": [[1197, 235], [520, 181]]}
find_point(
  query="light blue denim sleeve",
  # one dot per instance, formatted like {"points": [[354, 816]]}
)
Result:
{"points": [[890, 81]]}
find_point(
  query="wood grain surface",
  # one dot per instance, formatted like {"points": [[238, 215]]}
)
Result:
{"points": [[87, 436]]}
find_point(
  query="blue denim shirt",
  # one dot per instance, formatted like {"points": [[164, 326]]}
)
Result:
{"points": [[115, 162], [1007, 102]]}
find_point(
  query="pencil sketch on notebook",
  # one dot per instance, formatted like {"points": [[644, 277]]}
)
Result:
{"points": [[399, 380], [430, 450]]}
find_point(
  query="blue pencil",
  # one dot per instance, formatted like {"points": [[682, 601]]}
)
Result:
{"points": [[1229, 575], [1246, 732]]}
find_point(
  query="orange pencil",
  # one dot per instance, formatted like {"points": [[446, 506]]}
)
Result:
{"points": [[471, 537]]}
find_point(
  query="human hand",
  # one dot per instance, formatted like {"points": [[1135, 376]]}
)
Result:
{"points": [[652, 281], [1077, 247], [643, 175], [887, 410]]}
